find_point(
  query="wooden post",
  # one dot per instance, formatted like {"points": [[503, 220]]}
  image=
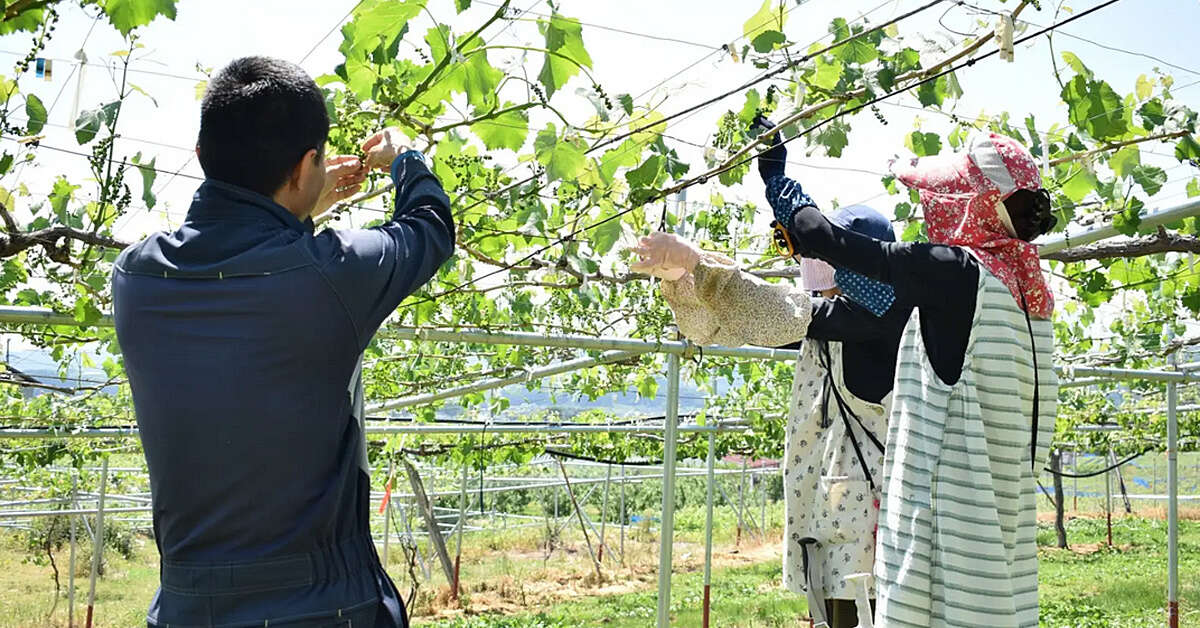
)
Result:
{"points": [[1059, 503]]}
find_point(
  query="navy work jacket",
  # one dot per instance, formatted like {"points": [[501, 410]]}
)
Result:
{"points": [[242, 333]]}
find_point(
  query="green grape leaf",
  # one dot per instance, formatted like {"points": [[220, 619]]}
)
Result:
{"points": [[6, 163], [1152, 114], [563, 159], [647, 174], [767, 41], [126, 15], [462, 5], [626, 103], [1187, 148], [1144, 88], [1072, 60], [834, 136], [1079, 184], [606, 234], [1125, 160], [1128, 220], [771, 16], [507, 130], [1193, 188], [376, 22], [148, 175], [828, 73], [564, 37], [933, 92], [1191, 300], [623, 156], [1151, 178], [923, 144], [1095, 107], [37, 114]]}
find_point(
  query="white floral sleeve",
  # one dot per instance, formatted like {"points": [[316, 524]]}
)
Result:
{"points": [[717, 303]]}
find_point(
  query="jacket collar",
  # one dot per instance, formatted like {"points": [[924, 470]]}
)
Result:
{"points": [[220, 201]]}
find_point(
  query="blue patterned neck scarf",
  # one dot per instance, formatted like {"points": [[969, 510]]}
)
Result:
{"points": [[876, 296]]}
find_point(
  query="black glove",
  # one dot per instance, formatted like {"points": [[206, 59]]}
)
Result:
{"points": [[771, 163]]}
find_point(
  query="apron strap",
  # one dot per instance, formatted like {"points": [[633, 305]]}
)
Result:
{"points": [[816, 586]]}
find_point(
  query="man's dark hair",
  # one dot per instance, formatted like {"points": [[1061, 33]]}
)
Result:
{"points": [[259, 116], [1031, 213]]}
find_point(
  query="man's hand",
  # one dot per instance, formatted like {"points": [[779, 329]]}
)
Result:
{"points": [[344, 176], [666, 256], [383, 147]]}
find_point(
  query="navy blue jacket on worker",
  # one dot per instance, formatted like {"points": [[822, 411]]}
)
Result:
{"points": [[242, 334]]}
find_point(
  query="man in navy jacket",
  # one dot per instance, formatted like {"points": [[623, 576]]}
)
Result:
{"points": [[242, 334]]}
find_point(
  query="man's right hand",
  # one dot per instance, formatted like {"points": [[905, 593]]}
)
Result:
{"points": [[383, 147]]}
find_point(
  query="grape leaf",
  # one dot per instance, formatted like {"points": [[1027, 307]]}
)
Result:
{"points": [[767, 40], [769, 17], [924, 144], [507, 130], [1125, 160], [126, 15], [564, 38], [1151, 178], [563, 159], [1095, 107], [37, 114]]}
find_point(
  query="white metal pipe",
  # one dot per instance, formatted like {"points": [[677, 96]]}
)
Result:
{"points": [[1172, 502], [667, 530], [1089, 235], [576, 341], [71, 576], [710, 463], [1112, 373], [413, 428], [491, 384], [98, 544]]}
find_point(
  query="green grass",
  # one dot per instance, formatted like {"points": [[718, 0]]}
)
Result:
{"points": [[1086, 588], [1123, 587]]}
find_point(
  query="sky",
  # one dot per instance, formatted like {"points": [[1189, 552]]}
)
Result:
{"points": [[684, 65], [680, 62]]}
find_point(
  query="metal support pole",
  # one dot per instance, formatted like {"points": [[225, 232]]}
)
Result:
{"points": [[1108, 497], [624, 518], [97, 544], [741, 508], [1172, 503], [667, 529], [708, 529], [462, 525], [763, 512], [1075, 472], [387, 516], [604, 513], [71, 574]]}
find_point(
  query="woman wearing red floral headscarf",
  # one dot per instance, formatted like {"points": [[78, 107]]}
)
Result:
{"points": [[975, 393]]}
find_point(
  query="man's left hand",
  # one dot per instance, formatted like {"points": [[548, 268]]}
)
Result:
{"points": [[344, 176]]}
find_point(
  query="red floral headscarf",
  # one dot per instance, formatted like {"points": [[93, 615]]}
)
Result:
{"points": [[962, 198]]}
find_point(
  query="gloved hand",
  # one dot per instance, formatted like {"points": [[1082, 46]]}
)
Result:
{"points": [[665, 255], [770, 163]]}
